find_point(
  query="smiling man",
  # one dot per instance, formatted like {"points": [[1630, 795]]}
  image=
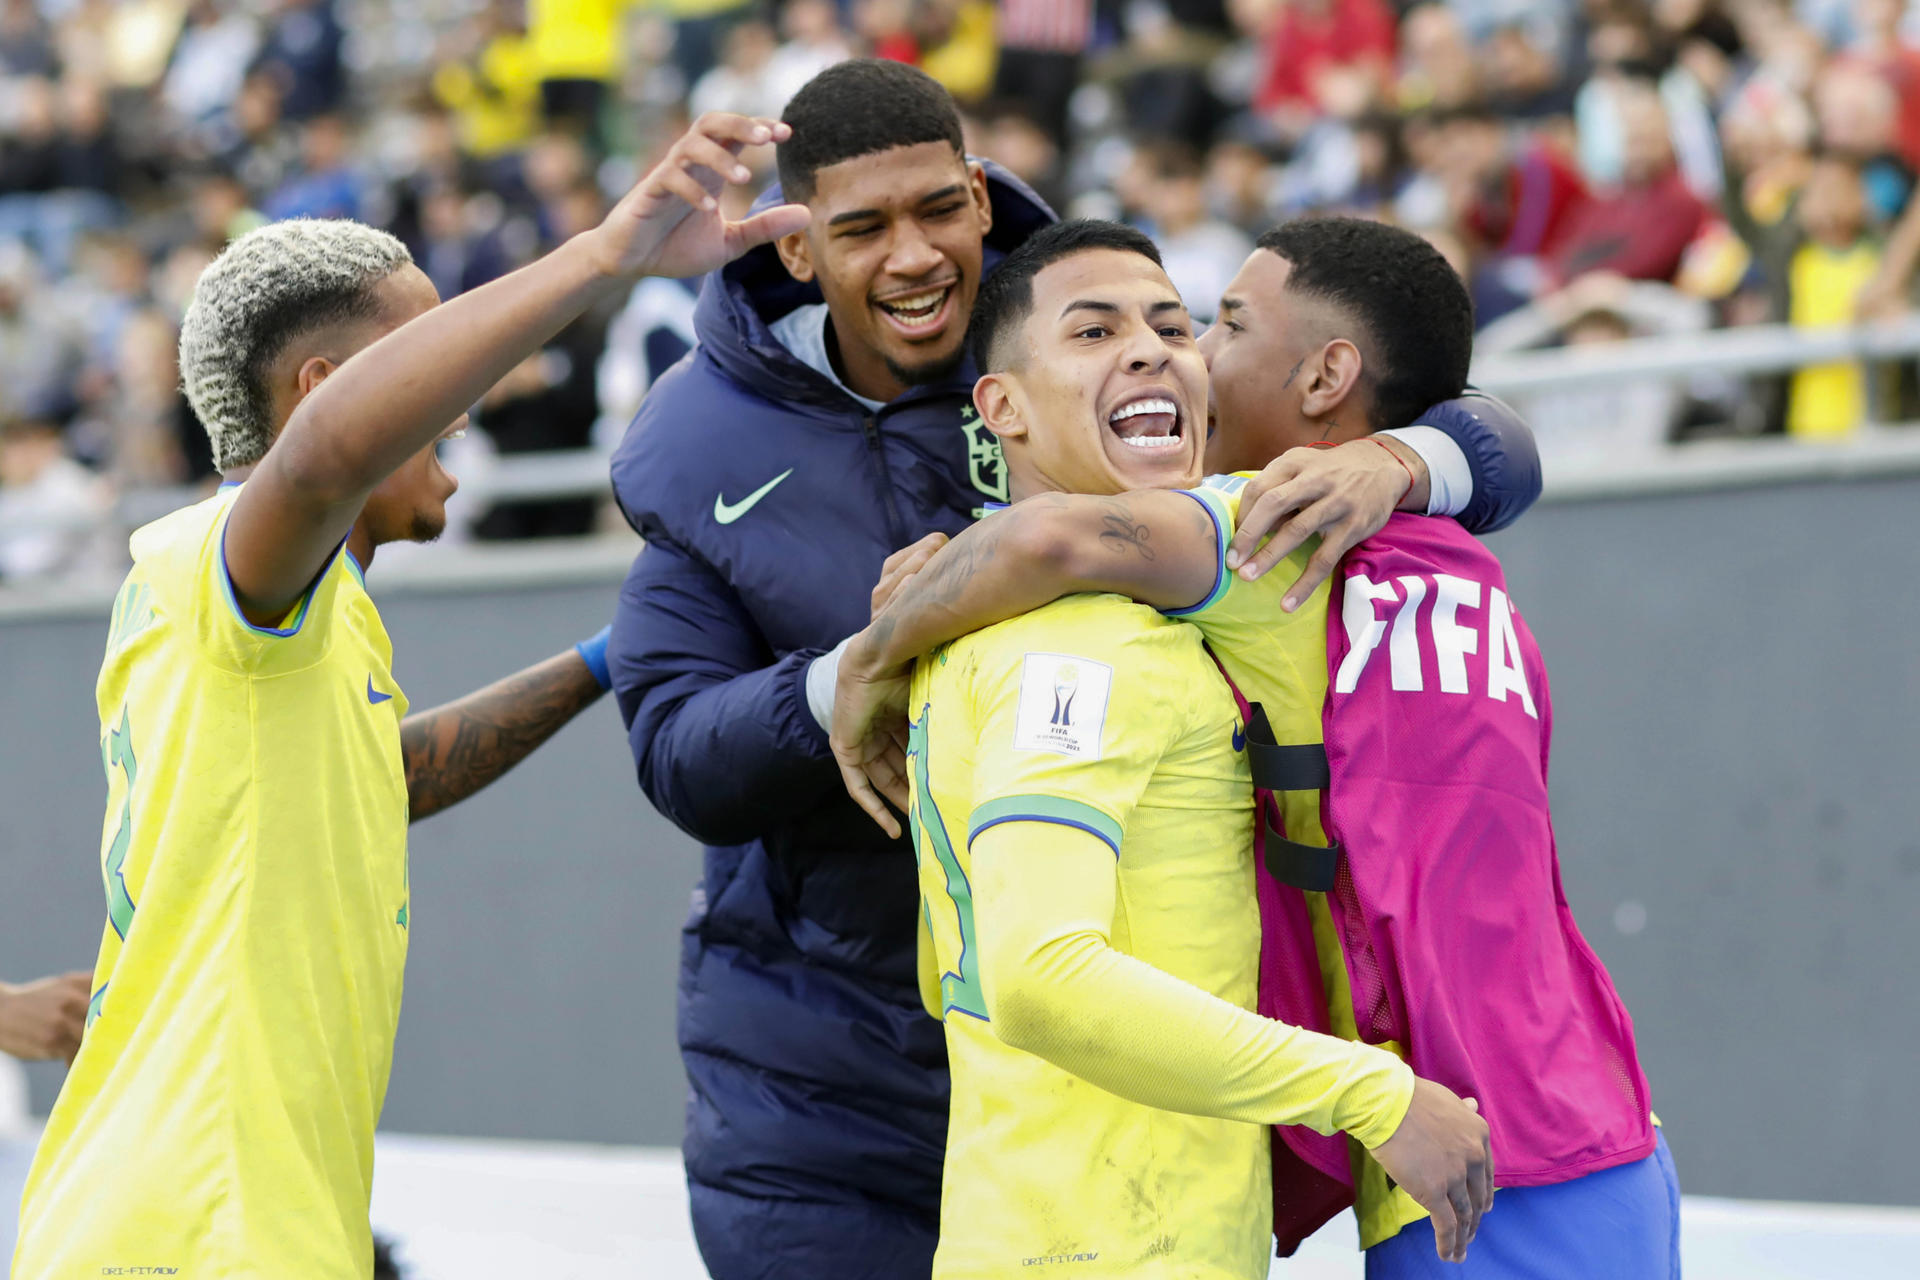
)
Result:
{"points": [[825, 420], [1082, 815], [1417, 673]]}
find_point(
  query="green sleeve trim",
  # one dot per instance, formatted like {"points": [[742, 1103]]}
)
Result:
{"points": [[1035, 808], [1215, 505]]}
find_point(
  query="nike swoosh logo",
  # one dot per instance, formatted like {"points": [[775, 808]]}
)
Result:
{"points": [[1239, 739], [727, 512], [376, 698]]}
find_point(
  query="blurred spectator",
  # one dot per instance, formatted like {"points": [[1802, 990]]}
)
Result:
{"points": [[50, 506], [1007, 133], [1201, 253], [1517, 196], [551, 400], [1325, 57], [576, 46], [741, 83], [699, 32], [1041, 44], [956, 43], [1608, 422], [1437, 68], [814, 42], [210, 61], [1641, 226], [1571, 157], [1836, 260], [327, 185], [491, 82], [302, 53]]}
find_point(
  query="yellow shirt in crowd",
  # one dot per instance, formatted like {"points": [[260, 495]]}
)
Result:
{"points": [[1828, 399]]}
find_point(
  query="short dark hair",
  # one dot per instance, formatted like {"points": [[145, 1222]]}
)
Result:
{"points": [[1412, 305], [1006, 297], [859, 108]]}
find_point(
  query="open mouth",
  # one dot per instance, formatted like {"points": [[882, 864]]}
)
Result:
{"points": [[922, 314], [1148, 421]]}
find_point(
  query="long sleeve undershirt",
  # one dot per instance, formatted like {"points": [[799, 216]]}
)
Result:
{"points": [[1045, 897]]}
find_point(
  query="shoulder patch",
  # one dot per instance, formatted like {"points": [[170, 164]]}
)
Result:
{"points": [[1063, 705]]}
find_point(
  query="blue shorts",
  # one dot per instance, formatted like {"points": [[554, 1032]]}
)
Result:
{"points": [[1617, 1224]]}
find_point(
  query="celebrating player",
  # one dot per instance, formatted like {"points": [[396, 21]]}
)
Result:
{"points": [[1446, 906], [219, 1118], [824, 420], [1083, 819]]}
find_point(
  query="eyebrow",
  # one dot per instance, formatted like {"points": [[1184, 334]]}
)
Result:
{"points": [[1230, 304], [861, 215], [1111, 309]]}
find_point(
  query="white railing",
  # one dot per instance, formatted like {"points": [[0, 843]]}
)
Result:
{"points": [[1874, 449]]}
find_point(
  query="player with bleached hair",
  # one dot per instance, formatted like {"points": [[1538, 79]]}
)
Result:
{"points": [[219, 1118]]}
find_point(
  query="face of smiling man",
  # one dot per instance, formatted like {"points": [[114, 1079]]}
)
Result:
{"points": [[1102, 389], [895, 245]]}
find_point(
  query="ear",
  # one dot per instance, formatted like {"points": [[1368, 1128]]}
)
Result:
{"points": [[1330, 379], [796, 255], [977, 188], [311, 373], [997, 397]]}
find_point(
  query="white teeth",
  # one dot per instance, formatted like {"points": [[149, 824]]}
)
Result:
{"points": [[926, 302], [1144, 406], [1150, 442], [461, 434]]}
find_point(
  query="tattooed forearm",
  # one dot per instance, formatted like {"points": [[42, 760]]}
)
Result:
{"points": [[1121, 532], [453, 751]]}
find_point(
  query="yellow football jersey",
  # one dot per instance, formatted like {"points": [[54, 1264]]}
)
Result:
{"points": [[1279, 660], [219, 1118], [1083, 824]]}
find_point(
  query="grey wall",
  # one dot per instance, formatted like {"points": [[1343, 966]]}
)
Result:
{"points": [[1736, 695]]}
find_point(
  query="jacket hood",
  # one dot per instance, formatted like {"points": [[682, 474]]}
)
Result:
{"points": [[739, 302]]}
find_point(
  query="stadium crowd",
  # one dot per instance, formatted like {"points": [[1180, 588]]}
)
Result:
{"points": [[1596, 169]]}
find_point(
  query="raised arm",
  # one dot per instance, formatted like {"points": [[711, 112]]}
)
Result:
{"points": [[454, 750], [397, 396], [1160, 547]]}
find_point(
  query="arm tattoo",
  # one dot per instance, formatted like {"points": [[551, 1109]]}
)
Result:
{"points": [[947, 573], [1120, 531], [454, 750]]}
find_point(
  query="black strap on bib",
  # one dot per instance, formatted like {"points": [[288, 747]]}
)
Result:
{"points": [[1278, 768], [1304, 866], [1289, 768]]}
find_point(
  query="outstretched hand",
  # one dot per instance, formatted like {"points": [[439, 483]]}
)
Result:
{"points": [[670, 223], [1346, 495], [1442, 1156]]}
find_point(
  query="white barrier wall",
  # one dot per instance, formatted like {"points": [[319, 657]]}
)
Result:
{"points": [[1736, 697]]}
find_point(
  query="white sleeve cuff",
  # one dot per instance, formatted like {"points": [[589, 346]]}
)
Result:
{"points": [[822, 674], [1449, 478]]}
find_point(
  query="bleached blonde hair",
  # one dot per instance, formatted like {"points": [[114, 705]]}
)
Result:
{"points": [[274, 284]]}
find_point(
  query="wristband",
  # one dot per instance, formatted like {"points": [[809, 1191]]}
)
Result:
{"points": [[593, 652], [1403, 466]]}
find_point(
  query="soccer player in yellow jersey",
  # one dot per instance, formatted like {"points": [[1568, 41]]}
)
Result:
{"points": [[219, 1118], [1296, 358], [1082, 816]]}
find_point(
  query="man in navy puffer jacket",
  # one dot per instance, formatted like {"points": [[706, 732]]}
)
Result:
{"points": [[824, 421]]}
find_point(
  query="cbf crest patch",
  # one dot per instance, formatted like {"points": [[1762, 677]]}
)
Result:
{"points": [[1063, 705], [986, 466]]}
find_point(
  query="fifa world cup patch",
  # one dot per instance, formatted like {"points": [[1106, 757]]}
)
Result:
{"points": [[1063, 705]]}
